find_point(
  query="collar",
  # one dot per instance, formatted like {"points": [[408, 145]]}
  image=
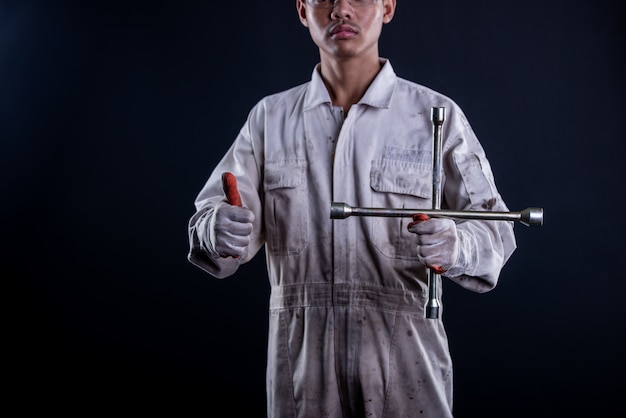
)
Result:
{"points": [[378, 94]]}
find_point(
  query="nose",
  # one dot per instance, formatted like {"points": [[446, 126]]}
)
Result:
{"points": [[341, 9]]}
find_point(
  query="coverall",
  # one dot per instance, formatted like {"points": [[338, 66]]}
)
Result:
{"points": [[347, 333]]}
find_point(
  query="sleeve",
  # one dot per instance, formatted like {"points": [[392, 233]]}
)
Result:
{"points": [[485, 246], [242, 159]]}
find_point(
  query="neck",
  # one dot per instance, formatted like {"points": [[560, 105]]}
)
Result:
{"points": [[347, 81]]}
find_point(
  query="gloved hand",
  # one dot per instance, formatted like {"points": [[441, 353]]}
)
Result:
{"points": [[437, 241], [230, 229], [231, 225]]}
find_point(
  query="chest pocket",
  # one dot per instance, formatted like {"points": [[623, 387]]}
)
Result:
{"points": [[286, 206], [398, 184]]}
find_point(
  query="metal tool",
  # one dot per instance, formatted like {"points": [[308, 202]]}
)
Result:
{"points": [[438, 116], [532, 216], [528, 216]]}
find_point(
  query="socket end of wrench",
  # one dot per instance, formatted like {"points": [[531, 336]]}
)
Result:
{"points": [[340, 210], [431, 310], [532, 217], [438, 115]]}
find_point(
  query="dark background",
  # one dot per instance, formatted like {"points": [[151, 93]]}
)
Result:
{"points": [[113, 114]]}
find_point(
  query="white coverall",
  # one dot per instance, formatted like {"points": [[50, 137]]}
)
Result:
{"points": [[347, 333]]}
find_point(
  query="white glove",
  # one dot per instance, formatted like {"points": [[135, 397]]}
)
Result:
{"points": [[437, 242], [230, 230]]}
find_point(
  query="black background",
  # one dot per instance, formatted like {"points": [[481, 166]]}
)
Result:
{"points": [[113, 114]]}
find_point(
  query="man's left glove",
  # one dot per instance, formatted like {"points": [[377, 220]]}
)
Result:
{"points": [[437, 241]]}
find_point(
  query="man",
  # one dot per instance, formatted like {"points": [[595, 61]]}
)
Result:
{"points": [[348, 336]]}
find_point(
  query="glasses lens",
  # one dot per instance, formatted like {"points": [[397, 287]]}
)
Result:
{"points": [[329, 4]]}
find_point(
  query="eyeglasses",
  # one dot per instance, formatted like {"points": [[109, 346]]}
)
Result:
{"points": [[330, 4]]}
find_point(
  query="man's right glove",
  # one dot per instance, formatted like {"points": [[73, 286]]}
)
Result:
{"points": [[230, 230], [231, 224]]}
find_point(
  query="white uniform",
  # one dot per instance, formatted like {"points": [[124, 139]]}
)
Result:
{"points": [[347, 333]]}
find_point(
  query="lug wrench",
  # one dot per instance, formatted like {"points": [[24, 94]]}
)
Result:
{"points": [[532, 216]]}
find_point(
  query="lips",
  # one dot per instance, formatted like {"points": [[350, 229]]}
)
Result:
{"points": [[343, 31]]}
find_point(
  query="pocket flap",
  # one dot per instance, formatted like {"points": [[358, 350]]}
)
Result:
{"points": [[283, 174], [401, 177]]}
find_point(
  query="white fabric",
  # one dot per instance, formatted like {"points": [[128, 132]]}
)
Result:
{"points": [[347, 331]]}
